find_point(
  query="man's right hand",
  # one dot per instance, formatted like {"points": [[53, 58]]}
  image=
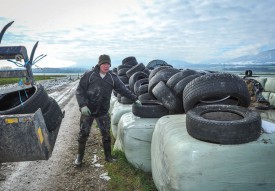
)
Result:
{"points": [[85, 111]]}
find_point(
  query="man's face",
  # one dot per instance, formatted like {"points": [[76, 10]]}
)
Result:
{"points": [[104, 68]]}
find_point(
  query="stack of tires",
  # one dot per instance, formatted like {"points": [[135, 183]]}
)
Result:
{"points": [[164, 92], [217, 110], [127, 74], [29, 101]]}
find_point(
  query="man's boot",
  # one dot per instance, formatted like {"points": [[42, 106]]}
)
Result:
{"points": [[80, 155], [107, 152]]}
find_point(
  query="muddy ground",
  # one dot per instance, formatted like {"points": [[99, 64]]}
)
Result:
{"points": [[59, 173]]}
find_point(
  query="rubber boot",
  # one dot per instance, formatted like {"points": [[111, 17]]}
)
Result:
{"points": [[107, 152], [80, 155]]}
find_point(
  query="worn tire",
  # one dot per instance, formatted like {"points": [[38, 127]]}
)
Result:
{"points": [[223, 124], [156, 70], [125, 100], [142, 89], [124, 79], [136, 77], [162, 75], [168, 98], [139, 83], [179, 76], [122, 72], [135, 69], [123, 66], [130, 60], [53, 116], [146, 71], [152, 109], [146, 96], [216, 85], [11, 104], [179, 87]]}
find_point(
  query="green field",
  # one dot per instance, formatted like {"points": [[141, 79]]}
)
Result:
{"points": [[4, 81]]}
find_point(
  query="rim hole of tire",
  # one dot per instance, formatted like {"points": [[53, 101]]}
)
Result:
{"points": [[221, 116]]}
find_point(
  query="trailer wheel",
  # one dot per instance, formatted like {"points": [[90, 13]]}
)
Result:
{"points": [[223, 124]]}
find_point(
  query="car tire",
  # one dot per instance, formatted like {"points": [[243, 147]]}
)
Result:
{"points": [[152, 109], [136, 77], [146, 97], [179, 87], [162, 75], [223, 124], [156, 70], [139, 83], [168, 98], [135, 69], [217, 86], [179, 76]]}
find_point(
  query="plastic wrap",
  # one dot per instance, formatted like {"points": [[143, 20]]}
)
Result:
{"points": [[117, 111], [112, 102], [181, 162], [134, 137]]}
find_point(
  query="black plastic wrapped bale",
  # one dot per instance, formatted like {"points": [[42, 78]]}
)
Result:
{"points": [[24, 137]]}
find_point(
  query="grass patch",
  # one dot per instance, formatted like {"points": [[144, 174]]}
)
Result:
{"points": [[124, 176], [4, 81]]}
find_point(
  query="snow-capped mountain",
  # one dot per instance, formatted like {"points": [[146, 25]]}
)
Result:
{"points": [[265, 57]]}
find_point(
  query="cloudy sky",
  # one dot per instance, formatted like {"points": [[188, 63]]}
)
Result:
{"points": [[76, 32]]}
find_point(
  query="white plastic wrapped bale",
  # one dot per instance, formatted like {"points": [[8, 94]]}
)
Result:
{"points": [[134, 137], [112, 102], [125, 121], [118, 110], [181, 162]]}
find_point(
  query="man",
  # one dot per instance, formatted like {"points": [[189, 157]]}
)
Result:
{"points": [[93, 95]]}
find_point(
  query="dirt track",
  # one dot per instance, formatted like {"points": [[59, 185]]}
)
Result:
{"points": [[59, 173]]}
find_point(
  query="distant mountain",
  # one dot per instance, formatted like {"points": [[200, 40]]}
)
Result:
{"points": [[262, 57], [266, 56]]}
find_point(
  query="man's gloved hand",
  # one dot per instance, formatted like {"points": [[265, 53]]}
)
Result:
{"points": [[85, 111], [137, 102]]}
